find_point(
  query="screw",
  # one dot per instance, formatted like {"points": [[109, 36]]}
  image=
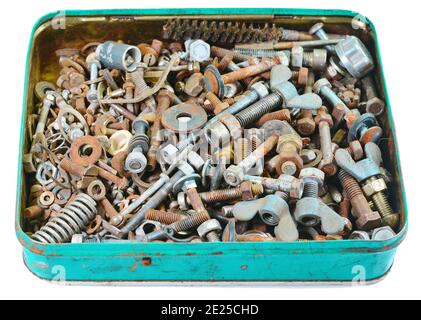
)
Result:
{"points": [[366, 218], [234, 175], [163, 216], [221, 53], [289, 148], [325, 123], [247, 191], [317, 30], [374, 104], [129, 88], [93, 65]]}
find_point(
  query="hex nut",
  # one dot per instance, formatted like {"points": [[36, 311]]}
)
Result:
{"points": [[359, 235], [205, 228], [297, 56], [383, 234], [374, 186]]}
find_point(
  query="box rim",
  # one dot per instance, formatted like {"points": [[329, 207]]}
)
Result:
{"points": [[67, 249]]}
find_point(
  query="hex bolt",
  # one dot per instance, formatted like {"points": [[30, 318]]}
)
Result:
{"points": [[129, 88], [189, 185], [318, 30], [283, 115], [210, 230], [374, 104], [289, 148], [163, 216], [164, 102], [93, 65], [217, 104], [215, 82], [234, 175], [375, 188], [366, 219], [289, 185], [325, 123], [305, 123], [138, 146]]}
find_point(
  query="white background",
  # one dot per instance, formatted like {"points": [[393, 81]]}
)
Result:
{"points": [[398, 31]]}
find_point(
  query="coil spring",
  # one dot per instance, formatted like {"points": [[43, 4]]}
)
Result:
{"points": [[71, 220], [257, 110]]}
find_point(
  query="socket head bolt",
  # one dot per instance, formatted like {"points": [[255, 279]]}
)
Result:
{"points": [[113, 55], [197, 50], [383, 234], [354, 57], [365, 129], [359, 235], [208, 227]]}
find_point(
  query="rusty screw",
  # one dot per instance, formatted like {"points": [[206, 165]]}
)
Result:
{"points": [[366, 218], [325, 123]]}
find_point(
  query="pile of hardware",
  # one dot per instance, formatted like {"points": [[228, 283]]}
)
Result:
{"points": [[272, 137]]}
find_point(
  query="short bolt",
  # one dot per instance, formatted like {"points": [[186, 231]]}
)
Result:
{"points": [[374, 104], [366, 219], [210, 230], [325, 123]]}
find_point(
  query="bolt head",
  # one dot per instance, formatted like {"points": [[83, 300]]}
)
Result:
{"points": [[313, 173], [261, 89], [369, 221], [92, 96], [209, 226], [306, 126], [317, 87], [234, 175], [199, 51], [136, 162], [316, 28]]}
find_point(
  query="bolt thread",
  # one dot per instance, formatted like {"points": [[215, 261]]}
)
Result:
{"points": [[311, 189], [350, 185], [229, 194], [382, 204], [221, 53], [191, 222], [258, 109], [213, 237], [242, 148], [163, 216], [284, 115]]}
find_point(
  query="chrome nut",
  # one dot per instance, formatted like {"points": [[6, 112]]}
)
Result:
{"points": [[375, 186], [209, 226], [383, 234]]}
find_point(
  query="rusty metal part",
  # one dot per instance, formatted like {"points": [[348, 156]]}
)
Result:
{"points": [[163, 216], [184, 118], [85, 151], [283, 115]]}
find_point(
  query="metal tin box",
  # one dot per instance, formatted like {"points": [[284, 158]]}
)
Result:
{"points": [[332, 261]]}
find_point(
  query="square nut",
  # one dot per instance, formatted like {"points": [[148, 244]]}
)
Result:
{"points": [[375, 186]]}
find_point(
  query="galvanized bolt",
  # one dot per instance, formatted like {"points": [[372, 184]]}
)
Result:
{"points": [[374, 104], [325, 123], [318, 30]]}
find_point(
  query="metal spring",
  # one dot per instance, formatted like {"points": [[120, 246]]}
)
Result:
{"points": [[260, 53], [257, 110], [71, 220], [220, 31]]}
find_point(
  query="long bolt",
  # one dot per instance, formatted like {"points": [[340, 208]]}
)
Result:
{"points": [[366, 218], [152, 203], [163, 216], [164, 102], [305, 123], [229, 194], [325, 123], [318, 30], [284, 115]]}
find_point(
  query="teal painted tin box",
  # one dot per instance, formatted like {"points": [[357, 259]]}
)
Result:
{"points": [[257, 262]]}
